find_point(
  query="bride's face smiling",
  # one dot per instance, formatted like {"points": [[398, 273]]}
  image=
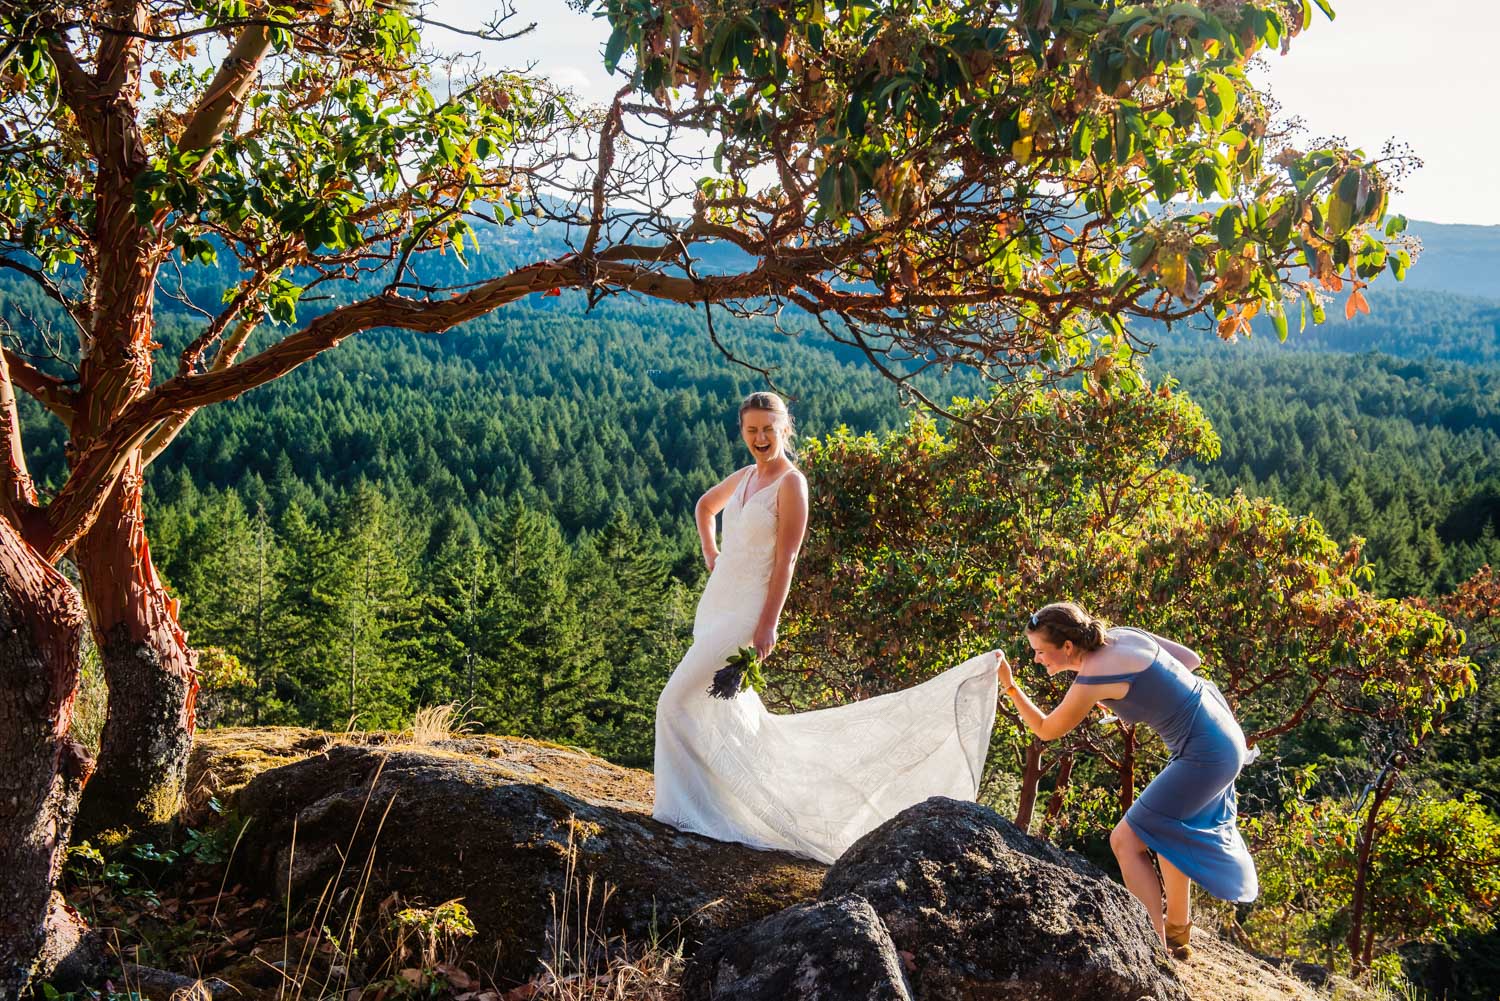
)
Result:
{"points": [[1053, 657], [761, 430]]}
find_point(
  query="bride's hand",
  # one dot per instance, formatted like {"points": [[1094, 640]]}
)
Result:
{"points": [[765, 640], [710, 557], [1002, 670]]}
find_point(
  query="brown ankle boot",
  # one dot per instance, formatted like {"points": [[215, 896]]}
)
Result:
{"points": [[1177, 940]]}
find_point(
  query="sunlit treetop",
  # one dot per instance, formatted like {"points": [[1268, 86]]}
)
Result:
{"points": [[1009, 183]]}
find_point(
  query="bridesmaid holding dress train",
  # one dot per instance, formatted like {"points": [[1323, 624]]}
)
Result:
{"points": [[1187, 814]]}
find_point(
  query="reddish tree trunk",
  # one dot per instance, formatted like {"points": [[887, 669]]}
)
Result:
{"points": [[148, 667], [151, 672], [1127, 769], [1031, 775], [1059, 788], [1359, 950], [42, 769]]}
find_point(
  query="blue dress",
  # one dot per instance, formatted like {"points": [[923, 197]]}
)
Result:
{"points": [[1187, 814]]}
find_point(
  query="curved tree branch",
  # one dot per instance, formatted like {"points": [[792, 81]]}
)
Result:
{"points": [[226, 93], [48, 390], [18, 498], [228, 352]]}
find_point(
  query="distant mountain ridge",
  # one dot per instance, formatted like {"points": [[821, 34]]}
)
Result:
{"points": [[1455, 258]]}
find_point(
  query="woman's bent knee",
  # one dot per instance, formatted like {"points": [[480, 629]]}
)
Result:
{"points": [[1124, 841]]}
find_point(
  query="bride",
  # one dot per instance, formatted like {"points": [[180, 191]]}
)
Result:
{"points": [[813, 782]]}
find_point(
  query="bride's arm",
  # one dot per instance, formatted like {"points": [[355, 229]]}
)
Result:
{"points": [[708, 508], [791, 525]]}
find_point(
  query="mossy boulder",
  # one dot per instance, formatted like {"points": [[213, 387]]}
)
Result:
{"points": [[987, 911], [832, 950], [506, 825], [223, 760]]}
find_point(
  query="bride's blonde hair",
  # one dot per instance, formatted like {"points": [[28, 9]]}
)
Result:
{"points": [[772, 403]]}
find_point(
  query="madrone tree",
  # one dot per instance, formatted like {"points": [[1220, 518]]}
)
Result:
{"points": [[1000, 183], [958, 537]]}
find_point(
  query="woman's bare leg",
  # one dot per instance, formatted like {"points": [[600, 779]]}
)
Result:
{"points": [[1179, 893], [1140, 875]]}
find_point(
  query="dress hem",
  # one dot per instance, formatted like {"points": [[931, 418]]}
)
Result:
{"points": [[1156, 844]]}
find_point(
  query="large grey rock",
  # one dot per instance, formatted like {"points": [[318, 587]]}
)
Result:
{"points": [[836, 950], [505, 825], [988, 912]]}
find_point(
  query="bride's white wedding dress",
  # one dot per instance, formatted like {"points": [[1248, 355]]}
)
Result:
{"points": [[811, 782]]}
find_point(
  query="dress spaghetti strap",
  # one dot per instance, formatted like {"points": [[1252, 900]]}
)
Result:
{"points": [[741, 494], [773, 485]]}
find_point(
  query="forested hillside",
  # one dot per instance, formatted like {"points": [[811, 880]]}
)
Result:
{"points": [[567, 444], [1403, 453], [580, 413], [1402, 322], [500, 516]]}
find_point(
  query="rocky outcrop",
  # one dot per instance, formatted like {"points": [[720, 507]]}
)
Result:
{"points": [[946, 901], [835, 950], [223, 760], [982, 910], [507, 826]]}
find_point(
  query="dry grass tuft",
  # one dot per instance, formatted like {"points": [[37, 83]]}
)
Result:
{"points": [[196, 991], [434, 723], [585, 962]]}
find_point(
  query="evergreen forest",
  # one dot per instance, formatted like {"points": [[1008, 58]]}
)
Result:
{"points": [[501, 516]]}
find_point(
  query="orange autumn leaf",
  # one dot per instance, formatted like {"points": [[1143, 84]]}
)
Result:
{"points": [[1355, 304]]}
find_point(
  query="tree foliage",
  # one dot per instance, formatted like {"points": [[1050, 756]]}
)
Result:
{"points": [[958, 537], [1434, 870], [1007, 183]]}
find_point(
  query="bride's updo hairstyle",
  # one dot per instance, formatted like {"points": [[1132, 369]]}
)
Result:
{"points": [[1063, 621], [772, 403]]}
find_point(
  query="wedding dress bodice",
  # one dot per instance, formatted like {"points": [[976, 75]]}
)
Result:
{"points": [[736, 588]]}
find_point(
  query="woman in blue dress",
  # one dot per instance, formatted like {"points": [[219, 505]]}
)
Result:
{"points": [[1187, 814]]}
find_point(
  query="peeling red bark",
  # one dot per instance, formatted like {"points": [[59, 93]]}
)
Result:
{"points": [[1059, 789], [1031, 775], [42, 769], [151, 671]]}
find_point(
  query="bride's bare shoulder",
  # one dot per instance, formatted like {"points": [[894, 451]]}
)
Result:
{"points": [[792, 484]]}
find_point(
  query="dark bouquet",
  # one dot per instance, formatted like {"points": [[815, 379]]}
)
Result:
{"points": [[740, 671]]}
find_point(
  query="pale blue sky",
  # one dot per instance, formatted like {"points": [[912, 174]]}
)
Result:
{"points": [[1423, 73]]}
